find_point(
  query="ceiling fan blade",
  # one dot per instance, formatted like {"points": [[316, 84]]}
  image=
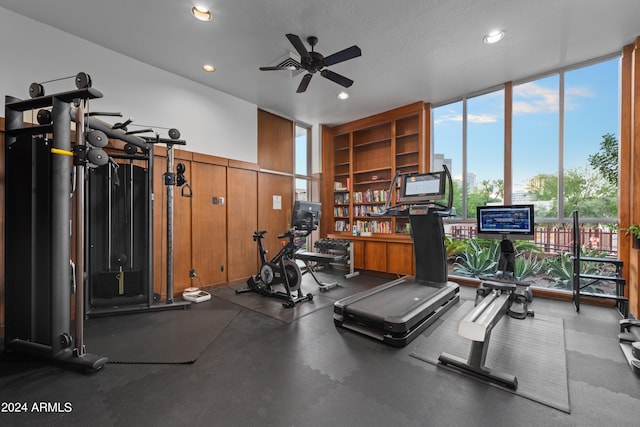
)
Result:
{"points": [[288, 68], [337, 78], [304, 83], [344, 55], [297, 43]]}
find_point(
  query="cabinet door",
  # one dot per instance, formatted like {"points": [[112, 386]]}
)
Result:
{"points": [[400, 258], [209, 257], [375, 254], [358, 254]]}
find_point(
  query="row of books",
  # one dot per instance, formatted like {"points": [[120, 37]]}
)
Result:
{"points": [[341, 198], [373, 227], [370, 196], [363, 210], [342, 226], [341, 212]]}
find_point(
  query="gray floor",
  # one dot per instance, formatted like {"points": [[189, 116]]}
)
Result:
{"points": [[264, 372]]}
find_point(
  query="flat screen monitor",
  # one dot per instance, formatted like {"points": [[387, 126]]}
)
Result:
{"points": [[510, 222], [306, 215], [424, 187]]}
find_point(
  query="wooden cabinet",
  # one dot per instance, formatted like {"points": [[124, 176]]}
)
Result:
{"points": [[361, 159], [375, 256], [377, 253], [400, 258]]}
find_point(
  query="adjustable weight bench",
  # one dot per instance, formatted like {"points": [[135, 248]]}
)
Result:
{"points": [[318, 258]]}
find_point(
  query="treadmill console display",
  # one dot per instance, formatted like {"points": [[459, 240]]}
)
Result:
{"points": [[422, 188]]}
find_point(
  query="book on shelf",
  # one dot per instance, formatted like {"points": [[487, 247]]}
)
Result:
{"points": [[374, 226], [371, 196], [341, 226], [342, 212], [341, 198]]}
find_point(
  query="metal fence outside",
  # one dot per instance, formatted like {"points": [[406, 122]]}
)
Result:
{"points": [[552, 239]]}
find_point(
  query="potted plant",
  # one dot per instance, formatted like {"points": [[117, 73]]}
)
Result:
{"points": [[634, 230]]}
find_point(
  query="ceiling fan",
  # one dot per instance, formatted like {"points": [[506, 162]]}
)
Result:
{"points": [[313, 62]]}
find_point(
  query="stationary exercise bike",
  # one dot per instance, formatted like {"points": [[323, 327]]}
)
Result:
{"points": [[282, 268]]}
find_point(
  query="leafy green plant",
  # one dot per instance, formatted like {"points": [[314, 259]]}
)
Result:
{"points": [[478, 261], [526, 246], [455, 247], [527, 266], [634, 231], [560, 268]]}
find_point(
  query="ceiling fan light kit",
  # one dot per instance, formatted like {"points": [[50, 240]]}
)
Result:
{"points": [[313, 62]]}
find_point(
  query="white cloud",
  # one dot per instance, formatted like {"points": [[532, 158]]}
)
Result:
{"points": [[533, 98], [448, 118], [482, 118]]}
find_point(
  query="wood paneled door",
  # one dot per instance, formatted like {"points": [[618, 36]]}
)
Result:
{"points": [[209, 223]]}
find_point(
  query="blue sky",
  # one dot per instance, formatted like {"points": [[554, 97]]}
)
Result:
{"points": [[591, 110]]}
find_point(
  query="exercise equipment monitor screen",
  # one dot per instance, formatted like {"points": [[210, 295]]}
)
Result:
{"points": [[511, 222], [422, 187], [306, 215]]}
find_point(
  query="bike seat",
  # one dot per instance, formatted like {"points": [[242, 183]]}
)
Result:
{"points": [[259, 234]]}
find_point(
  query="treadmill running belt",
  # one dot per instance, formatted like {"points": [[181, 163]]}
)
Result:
{"points": [[395, 301]]}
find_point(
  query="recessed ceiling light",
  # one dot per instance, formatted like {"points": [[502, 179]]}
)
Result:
{"points": [[209, 68], [201, 13], [343, 95], [493, 37]]}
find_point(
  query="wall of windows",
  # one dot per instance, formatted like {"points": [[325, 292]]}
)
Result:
{"points": [[562, 125], [535, 144], [302, 161]]}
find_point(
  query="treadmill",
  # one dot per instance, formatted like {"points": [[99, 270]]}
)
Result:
{"points": [[398, 311]]}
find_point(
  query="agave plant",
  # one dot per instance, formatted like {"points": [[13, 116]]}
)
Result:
{"points": [[527, 266], [560, 268], [476, 261], [526, 246]]}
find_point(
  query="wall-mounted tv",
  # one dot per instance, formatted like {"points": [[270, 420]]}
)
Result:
{"points": [[506, 222]]}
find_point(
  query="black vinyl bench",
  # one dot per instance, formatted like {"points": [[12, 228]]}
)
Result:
{"points": [[319, 258]]}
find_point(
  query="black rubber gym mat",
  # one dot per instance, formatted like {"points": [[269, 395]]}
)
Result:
{"points": [[272, 307], [532, 349], [160, 337]]}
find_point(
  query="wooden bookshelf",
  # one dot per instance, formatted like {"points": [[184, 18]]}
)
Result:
{"points": [[360, 160]]}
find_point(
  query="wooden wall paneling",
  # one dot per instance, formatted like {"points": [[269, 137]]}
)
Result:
{"points": [[209, 224], [242, 208], [326, 183], [425, 143], [275, 142], [634, 296], [625, 201], [275, 221]]}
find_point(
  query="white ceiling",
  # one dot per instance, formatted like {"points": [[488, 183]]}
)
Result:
{"points": [[412, 50]]}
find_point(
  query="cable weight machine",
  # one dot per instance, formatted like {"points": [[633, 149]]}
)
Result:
{"points": [[38, 227], [44, 176]]}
